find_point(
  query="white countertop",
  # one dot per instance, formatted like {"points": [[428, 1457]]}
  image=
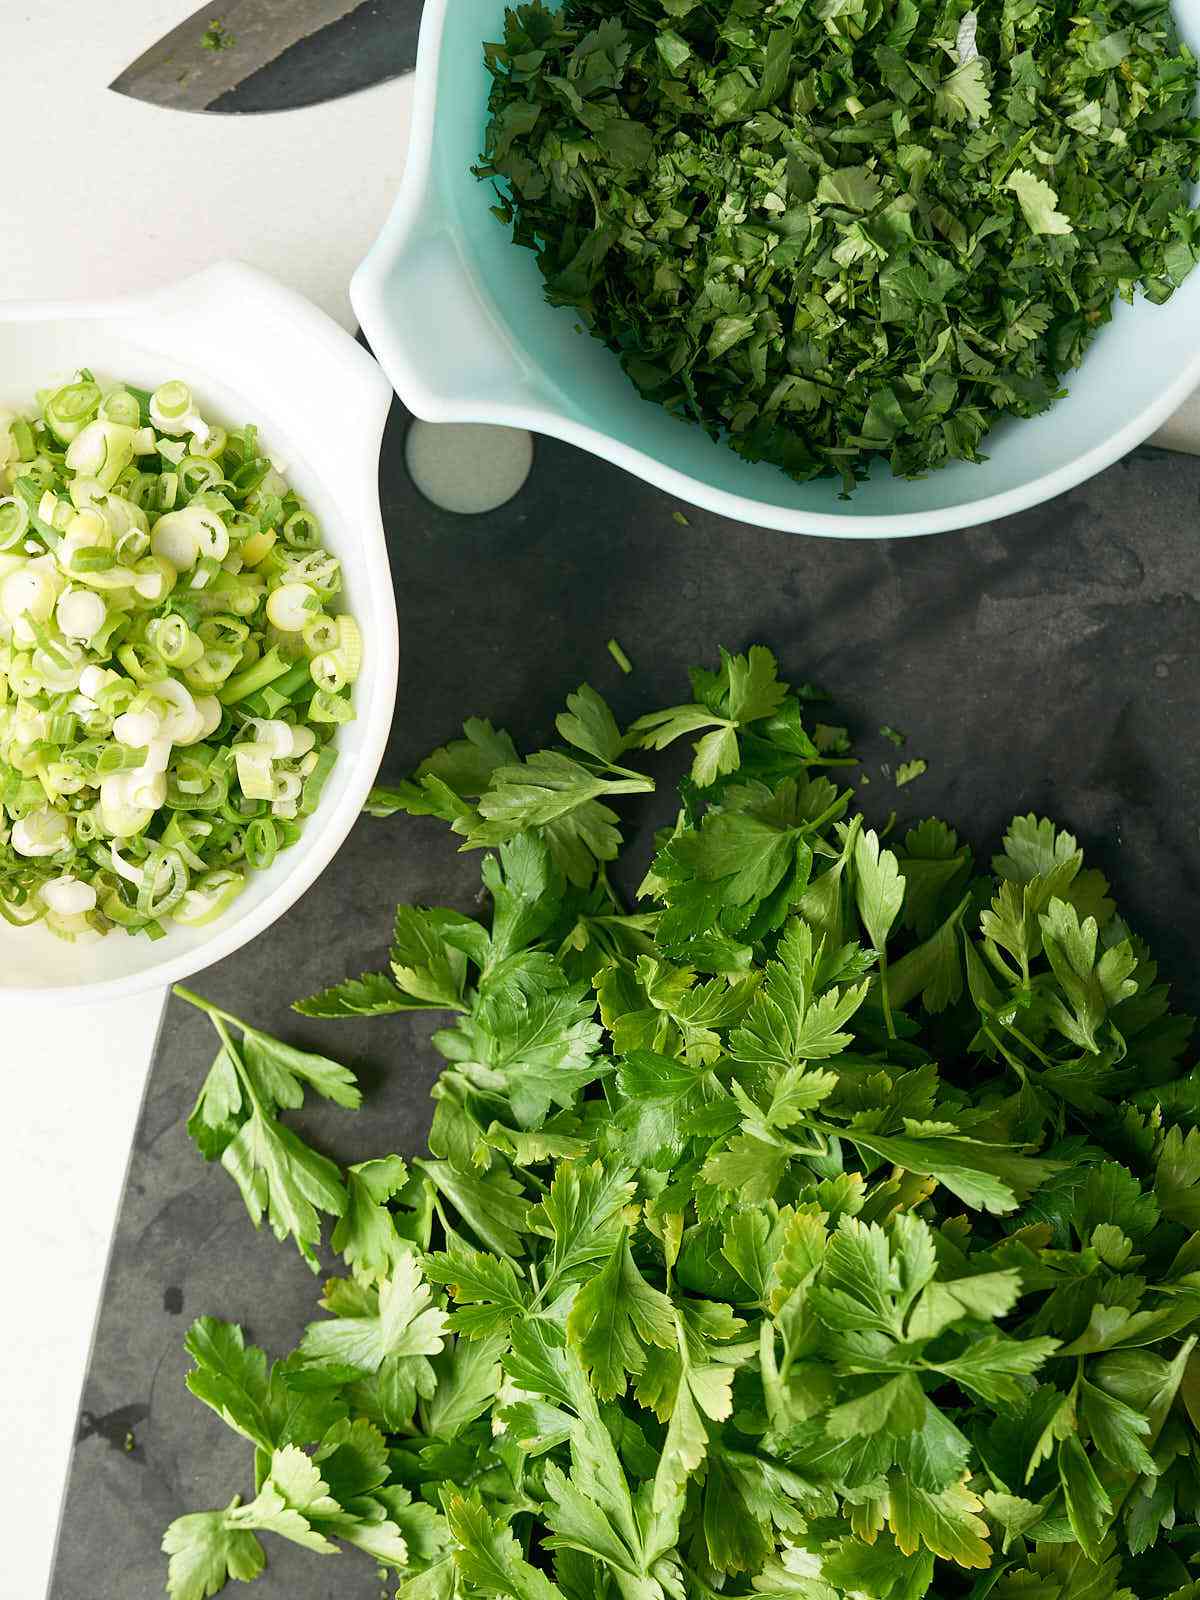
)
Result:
{"points": [[117, 195], [111, 196]]}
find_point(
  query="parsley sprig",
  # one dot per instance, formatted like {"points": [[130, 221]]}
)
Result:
{"points": [[826, 1227]]}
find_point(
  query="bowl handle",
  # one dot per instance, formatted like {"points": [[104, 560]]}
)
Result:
{"points": [[433, 326]]}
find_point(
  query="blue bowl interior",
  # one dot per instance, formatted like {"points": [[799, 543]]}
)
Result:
{"points": [[1142, 351]]}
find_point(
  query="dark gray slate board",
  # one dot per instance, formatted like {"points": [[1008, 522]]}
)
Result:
{"points": [[1044, 662]]}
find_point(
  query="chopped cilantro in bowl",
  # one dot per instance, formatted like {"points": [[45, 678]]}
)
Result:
{"points": [[846, 232]]}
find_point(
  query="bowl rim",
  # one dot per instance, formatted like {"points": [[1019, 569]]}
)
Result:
{"points": [[328, 345], [368, 294]]}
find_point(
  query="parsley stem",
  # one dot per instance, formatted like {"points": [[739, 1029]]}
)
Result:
{"points": [[219, 1018], [636, 782], [1028, 1043], [1012, 156], [827, 815], [239, 1065], [231, 1051], [532, 1178], [1014, 1062], [201, 1004], [883, 995]]}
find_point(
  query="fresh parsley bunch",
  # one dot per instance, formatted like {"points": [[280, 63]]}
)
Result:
{"points": [[835, 230], [828, 1227]]}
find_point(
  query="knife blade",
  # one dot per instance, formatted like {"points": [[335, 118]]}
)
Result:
{"points": [[244, 56]]}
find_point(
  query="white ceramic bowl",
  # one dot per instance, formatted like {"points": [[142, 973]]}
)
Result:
{"points": [[252, 351], [455, 313]]}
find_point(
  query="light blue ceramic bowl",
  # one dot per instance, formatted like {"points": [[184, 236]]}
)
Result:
{"points": [[454, 312]]}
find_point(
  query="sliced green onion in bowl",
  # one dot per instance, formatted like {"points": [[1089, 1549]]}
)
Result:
{"points": [[171, 675], [69, 409], [14, 520]]}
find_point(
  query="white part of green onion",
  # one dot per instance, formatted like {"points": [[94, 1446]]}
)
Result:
{"points": [[93, 681], [288, 788], [173, 411], [135, 729], [181, 721], [182, 537], [284, 741], [60, 777], [69, 896], [27, 727], [87, 530], [158, 755], [14, 522], [213, 534], [41, 833], [153, 584], [101, 450], [211, 712], [49, 508], [146, 789], [122, 868], [254, 769], [86, 493], [121, 515], [30, 592], [129, 799], [176, 539], [169, 402], [290, 608], [59, 673], [88, 526], [80, 613]]}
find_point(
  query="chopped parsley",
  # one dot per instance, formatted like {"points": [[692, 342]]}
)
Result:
{"points": [[619, 656], [217, 37], [838, 232]]}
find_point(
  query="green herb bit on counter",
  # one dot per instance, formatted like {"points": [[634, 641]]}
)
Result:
{"points": [[907, 771], [619, 656], [847, 233], [831, 740], [217, 37], [173, 661]]}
